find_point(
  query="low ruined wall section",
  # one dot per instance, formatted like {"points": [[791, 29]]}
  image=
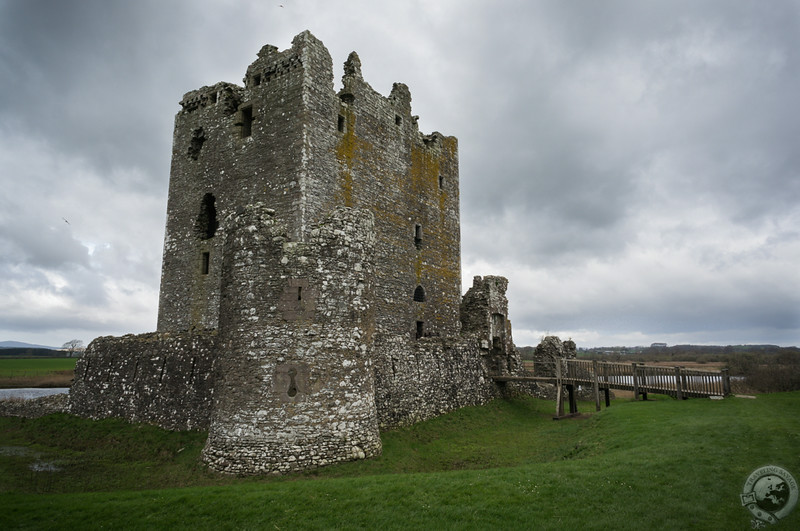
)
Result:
{"points": [[419, 381], [163, 379]]}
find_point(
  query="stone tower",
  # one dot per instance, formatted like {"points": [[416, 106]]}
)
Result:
{"points": [[311, 279], [288, 140]]}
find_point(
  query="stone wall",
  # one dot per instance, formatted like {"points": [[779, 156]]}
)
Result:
{"points": [[163, 379], [484, 312], [295, 389], [34, 407], [243, 145], [410, 182], [549, 351], [418, 381]]}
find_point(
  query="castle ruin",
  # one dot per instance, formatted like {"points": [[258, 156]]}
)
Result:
{"points": [[311, 279]]}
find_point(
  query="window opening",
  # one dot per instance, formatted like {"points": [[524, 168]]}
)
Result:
{"points": [[292, 391], [420, 328], [196, 144], [441, 182], [299, 293], [418, 236], [247, 121], [205, 262], [340, 124], [419, 294], [207, 224], [397, 119], [257, 79]]}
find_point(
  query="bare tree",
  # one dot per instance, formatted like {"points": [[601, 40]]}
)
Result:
{"points": [[73, 347]]}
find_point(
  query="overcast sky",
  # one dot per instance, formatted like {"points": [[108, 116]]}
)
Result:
{"points": [[632, 167]]}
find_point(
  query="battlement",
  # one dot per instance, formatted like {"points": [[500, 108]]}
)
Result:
{"points": [[227, 95], [272, 64]]}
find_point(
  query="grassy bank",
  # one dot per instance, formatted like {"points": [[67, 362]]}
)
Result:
{"points": [[36, 372], [656, 465]]}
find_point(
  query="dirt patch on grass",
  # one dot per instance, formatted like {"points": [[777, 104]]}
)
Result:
{"points": [[52, 379]]}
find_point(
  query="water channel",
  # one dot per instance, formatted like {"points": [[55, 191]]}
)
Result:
{"points": [[32, 392]]}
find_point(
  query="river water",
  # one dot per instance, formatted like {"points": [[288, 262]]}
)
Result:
{"points": [[27, 393]]}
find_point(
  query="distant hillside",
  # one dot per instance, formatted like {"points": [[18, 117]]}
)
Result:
{"points": [[17, 349], [18, 344]]}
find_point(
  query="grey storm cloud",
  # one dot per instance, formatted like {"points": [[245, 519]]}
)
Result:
{"points": [[632, 167]]}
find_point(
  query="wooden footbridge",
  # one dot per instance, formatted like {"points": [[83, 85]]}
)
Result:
{"points": [[569, 374]]}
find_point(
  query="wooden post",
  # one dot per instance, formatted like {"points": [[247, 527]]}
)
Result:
{"points": [[685, 383], [608, 397], [678, 387], [559, 397], [596, 386], [726, 382], [635, 383], [573, 401]]}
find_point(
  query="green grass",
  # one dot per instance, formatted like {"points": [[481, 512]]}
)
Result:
{"points": [[660, 464], [29, 367]]}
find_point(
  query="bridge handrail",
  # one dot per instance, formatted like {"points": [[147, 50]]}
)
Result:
{"points": [[639, 377]]}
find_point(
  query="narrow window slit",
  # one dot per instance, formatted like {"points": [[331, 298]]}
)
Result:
{"points": [[206, 225], [292, 391], [247, 121]]}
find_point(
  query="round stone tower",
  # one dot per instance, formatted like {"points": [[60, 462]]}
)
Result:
{"points": [[295, 387]]}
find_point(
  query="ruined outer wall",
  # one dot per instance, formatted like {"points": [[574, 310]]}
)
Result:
{"points": [[163, 379], [295, 388], [421, 380], [484, 312]]}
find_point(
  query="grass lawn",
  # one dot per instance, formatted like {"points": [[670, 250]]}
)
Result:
{"points": [[661, 464], [36, 372]]}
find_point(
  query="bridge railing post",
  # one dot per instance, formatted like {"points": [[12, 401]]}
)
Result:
{"points": [[726, 382], [635, 382], [596, 386], [686, 383], [678, 386], [559, 391]]}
